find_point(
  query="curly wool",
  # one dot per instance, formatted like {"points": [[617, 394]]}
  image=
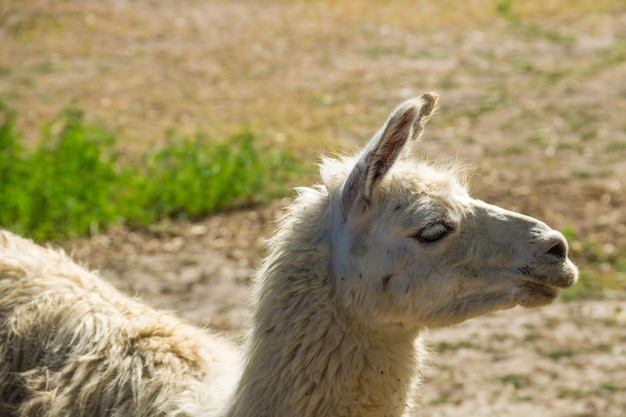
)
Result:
{"points": [[70, 344]]}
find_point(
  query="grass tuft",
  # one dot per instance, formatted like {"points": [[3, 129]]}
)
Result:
{"points": [[72, 183]]}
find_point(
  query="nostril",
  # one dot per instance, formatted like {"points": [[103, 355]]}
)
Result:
{"points": [[559, 249]]}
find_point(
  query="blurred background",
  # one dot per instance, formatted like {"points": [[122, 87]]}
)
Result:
{"points": [[133, 129]]}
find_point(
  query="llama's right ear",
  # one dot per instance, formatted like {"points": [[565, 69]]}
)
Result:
{"points": [[406, 122]]}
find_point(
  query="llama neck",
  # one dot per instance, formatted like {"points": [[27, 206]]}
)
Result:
{"points": [[306, 358]]}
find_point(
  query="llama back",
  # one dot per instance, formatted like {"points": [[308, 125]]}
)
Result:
{"points": [[71, 344]]}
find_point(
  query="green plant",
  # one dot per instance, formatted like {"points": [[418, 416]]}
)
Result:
{"points": [[69, 181], [504, 8], [11, 166], [72, 183], [191, 178]]}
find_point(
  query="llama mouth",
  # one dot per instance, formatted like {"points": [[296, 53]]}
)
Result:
{"points": [[536, 294], [541, 284], [539, 289], [565, 277]]}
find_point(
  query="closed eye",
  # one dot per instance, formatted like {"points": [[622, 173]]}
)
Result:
{"points": [[432, 232]]}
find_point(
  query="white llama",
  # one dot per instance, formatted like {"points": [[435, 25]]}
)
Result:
{"points": [[386, 247]]}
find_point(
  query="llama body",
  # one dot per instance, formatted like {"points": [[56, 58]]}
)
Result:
{"points": [[386, 247], [71, 344]]}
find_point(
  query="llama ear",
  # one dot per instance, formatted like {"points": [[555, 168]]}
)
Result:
{"points": [[406, 122]]}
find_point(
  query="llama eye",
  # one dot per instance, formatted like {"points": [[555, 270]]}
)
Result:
{"points": [[432, 233]]}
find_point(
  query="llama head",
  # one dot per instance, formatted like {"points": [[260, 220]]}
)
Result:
{"points": [[412, 249]]}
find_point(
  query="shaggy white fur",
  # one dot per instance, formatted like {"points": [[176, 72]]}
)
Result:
{"points": [[72, 345], [384, 248]]}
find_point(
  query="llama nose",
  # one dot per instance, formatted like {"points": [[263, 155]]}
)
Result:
{"points": [[556, 245]]}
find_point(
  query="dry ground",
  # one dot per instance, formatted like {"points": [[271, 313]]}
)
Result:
{"points": [[533, 96]]}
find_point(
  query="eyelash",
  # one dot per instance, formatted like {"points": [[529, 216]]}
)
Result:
{"points": [[433, 232]]}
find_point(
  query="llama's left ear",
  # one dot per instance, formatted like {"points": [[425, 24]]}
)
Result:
{"points": [[406, 122]]}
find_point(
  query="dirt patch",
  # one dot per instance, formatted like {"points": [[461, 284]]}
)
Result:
{"points": [[563, 360]]}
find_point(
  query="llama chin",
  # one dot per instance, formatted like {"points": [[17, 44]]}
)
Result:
{"points": [[384, 247]]}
